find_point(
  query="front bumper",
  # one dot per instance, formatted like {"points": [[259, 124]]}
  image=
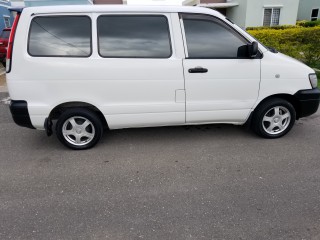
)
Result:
{"points": [[20, 114], [308, 101]]}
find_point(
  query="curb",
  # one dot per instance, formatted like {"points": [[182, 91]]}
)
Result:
{"points": [[3, 89]]}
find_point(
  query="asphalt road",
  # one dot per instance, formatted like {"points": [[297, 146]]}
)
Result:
{"points": [[208, 182]]}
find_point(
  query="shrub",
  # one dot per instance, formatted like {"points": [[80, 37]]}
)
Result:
{"points": [[300, 24], [300, 43], [308, 23], [279, 27], [318, 75]]}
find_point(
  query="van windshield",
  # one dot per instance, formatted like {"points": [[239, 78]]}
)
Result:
{"points": [[5, 34]]}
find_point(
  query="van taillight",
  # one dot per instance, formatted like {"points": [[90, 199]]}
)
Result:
{"points": [[10, 43]]}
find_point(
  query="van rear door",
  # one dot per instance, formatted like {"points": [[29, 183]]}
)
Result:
{"points": [[142, 78]]}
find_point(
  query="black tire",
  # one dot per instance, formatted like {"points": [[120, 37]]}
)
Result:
{"points": [[72, 129], [278, 125]]}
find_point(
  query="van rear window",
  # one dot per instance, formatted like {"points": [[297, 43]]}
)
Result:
{"points": [[60, 36], [134, 36]]}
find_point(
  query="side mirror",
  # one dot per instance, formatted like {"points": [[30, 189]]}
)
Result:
{"points": [[253, 49]]}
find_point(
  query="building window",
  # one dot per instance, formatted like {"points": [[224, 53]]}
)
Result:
{"points": [[271, 16], [314, 14], [6, 22]]}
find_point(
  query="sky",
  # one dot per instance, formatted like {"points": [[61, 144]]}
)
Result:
{"points": [[155, 2], [132, 2]]}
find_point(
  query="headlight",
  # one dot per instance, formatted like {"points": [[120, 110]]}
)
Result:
{"points": [[313, 80]]}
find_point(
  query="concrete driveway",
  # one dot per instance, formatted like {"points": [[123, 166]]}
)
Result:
{"points": [[206, 182]]}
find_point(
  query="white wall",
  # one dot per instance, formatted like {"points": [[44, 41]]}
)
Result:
{"points": [[249, 13], [17, 3], [305, 8], [238, 13], [288, 12]]}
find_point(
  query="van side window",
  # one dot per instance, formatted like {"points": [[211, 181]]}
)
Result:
{"points": [[209, 38], [134, 36], [60, 36]]}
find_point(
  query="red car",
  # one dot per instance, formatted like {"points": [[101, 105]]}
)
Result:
{"points": [[4, 39]]}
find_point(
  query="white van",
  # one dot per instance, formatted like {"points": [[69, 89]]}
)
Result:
{"points": [[96, 67]]}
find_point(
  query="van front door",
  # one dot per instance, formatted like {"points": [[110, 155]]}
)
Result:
{"points": [[222, 82]]}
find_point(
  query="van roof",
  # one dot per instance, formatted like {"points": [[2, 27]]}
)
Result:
{"points": [[118, 8]]}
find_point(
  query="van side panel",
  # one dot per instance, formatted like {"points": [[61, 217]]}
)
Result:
{"points": [[130, 92], [139, 92]]}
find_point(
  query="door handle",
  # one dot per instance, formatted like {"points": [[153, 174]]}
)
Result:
{"points": [[198, 70]]}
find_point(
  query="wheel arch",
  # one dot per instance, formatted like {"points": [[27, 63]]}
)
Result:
{"points": [[277, 128], [288, 97], [59, 109]]}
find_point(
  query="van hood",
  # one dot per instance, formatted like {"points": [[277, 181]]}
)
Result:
{"points": [[294, 61]]}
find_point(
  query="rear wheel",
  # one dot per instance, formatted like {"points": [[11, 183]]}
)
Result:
{"points": [[274, 118], [79, 129]]}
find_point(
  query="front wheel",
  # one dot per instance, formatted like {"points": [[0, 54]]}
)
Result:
{"points": [[79, 129], [274, 118]]}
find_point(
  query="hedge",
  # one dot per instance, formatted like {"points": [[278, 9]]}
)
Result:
{"points": [[302, 43], [300, 24], [278, 27], [308, 23]]}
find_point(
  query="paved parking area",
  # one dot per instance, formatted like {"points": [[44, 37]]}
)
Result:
{"points": [[198, 182]]}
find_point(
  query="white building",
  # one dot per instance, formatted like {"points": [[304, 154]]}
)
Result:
{"points": [[254, 13], [309, 10], [245, 13], [17, 3], [146, 2]]}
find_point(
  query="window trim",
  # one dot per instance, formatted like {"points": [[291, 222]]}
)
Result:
{"points": [[317, 17], [135, 15], [60, 56], [272, 9], [4, 20], [207, 17]]}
